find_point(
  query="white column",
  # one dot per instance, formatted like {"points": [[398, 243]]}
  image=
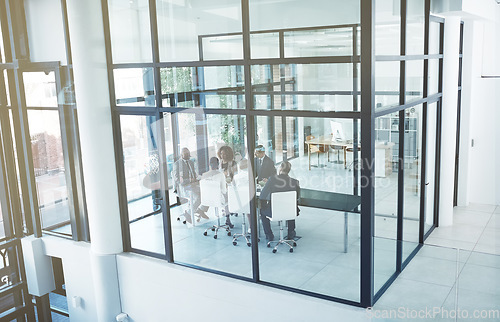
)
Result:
{"points": [[96, 138], [449, 119]]}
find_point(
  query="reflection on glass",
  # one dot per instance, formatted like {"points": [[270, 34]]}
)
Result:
{"points": [[265, 15], [142, 180], [209, 152], [414, 80], [48, 162], [386, 83], [134, 86], [182, 23], [386, 197], [430, 166], [205, 87], [265, 45], [412, 190], [302, 77], [2, 228], [415, 27], [130, 31], [40, 89], [319, 42], [387, 27], [222, 47], [321, 154]]}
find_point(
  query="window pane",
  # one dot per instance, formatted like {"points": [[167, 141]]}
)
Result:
{"points": [[434, 36], [7, 89], [142, 171], [414, 80], [412, 189], [130, 31], [319, 42], [265, 15], [415, 27], [182, 24], [386, 197], [199, 163], [387, 27], [134, 86], [387, 83], [430, 166], [40, 89], [265, 45], [321, 154], [48, 162], [433, 83], [206, 87]]}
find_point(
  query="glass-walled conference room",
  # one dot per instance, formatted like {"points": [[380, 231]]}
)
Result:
{"points": [[216, 101]]}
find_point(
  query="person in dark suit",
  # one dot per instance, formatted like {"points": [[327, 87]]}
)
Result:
{"points": [[278, 183], [264, 166], [186, 183]]}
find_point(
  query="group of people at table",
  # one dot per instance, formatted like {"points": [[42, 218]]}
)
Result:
{"points": [[227, 171]]}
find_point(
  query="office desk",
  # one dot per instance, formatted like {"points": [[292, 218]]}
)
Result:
{"points": [[331, 201], [326, 142]]}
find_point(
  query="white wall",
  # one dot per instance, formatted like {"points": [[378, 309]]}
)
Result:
{"points": [[153, 290], [479, 177]]}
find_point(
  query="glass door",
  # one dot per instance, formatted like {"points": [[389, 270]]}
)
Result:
{"points": [[430, 164]]}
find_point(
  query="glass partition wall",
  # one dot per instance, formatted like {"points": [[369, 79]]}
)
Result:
{"points": [[224, 99]]}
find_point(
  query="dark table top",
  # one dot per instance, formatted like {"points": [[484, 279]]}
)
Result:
{"points": [[328, 200]]}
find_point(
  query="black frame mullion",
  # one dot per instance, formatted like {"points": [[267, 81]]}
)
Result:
{"points": [[367, 152], [401, 129], [250, 121]]}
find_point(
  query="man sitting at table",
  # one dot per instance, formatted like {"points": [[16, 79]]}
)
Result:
{"points": [[264, 166], [278, 183]]}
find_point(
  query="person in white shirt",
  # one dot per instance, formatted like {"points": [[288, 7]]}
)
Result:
{"points": [[216, 175], [241, 179]]}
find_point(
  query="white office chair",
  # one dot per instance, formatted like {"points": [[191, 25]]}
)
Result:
{"points": [[211, 195], [283, 207], [239, 202]]}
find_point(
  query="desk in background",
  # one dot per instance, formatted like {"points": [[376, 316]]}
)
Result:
{"points": [[326, 142]]}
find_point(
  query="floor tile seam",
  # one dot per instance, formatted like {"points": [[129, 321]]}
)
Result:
{"points": [[452, 240], [401, 276]]}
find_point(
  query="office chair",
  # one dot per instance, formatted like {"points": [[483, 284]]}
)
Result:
{"points": [[239, 202], [283, 207], [211, 195]]}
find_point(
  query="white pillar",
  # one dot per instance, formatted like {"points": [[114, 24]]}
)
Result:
{"points": [[96, 138], [449, 119]]}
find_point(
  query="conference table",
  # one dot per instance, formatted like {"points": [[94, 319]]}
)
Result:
{"points": [[331, 201]]}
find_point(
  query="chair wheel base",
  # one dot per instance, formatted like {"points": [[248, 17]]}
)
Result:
{"points": [[249, 244], [229, 233], [235, 243], [268, 245], [294, 244], [215, 236], [205, 233], [274, 251], [178, 219], [291, 250], [184, 222]]}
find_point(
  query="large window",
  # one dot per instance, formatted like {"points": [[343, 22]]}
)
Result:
{"points": [[229, 84]]}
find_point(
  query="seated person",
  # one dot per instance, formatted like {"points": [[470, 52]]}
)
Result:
{"points": [[264, 166], [215, 175], [278, 183]]}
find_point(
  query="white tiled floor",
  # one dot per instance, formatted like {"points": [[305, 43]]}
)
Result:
{"points": [[457, 269]]}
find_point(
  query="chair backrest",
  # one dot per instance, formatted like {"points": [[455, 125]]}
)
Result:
{"points": [[284, 205], [239, 198], [210, 193]]}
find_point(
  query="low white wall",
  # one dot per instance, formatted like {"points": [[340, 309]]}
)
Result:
{"points": [[154, 290], [77, 275]]}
